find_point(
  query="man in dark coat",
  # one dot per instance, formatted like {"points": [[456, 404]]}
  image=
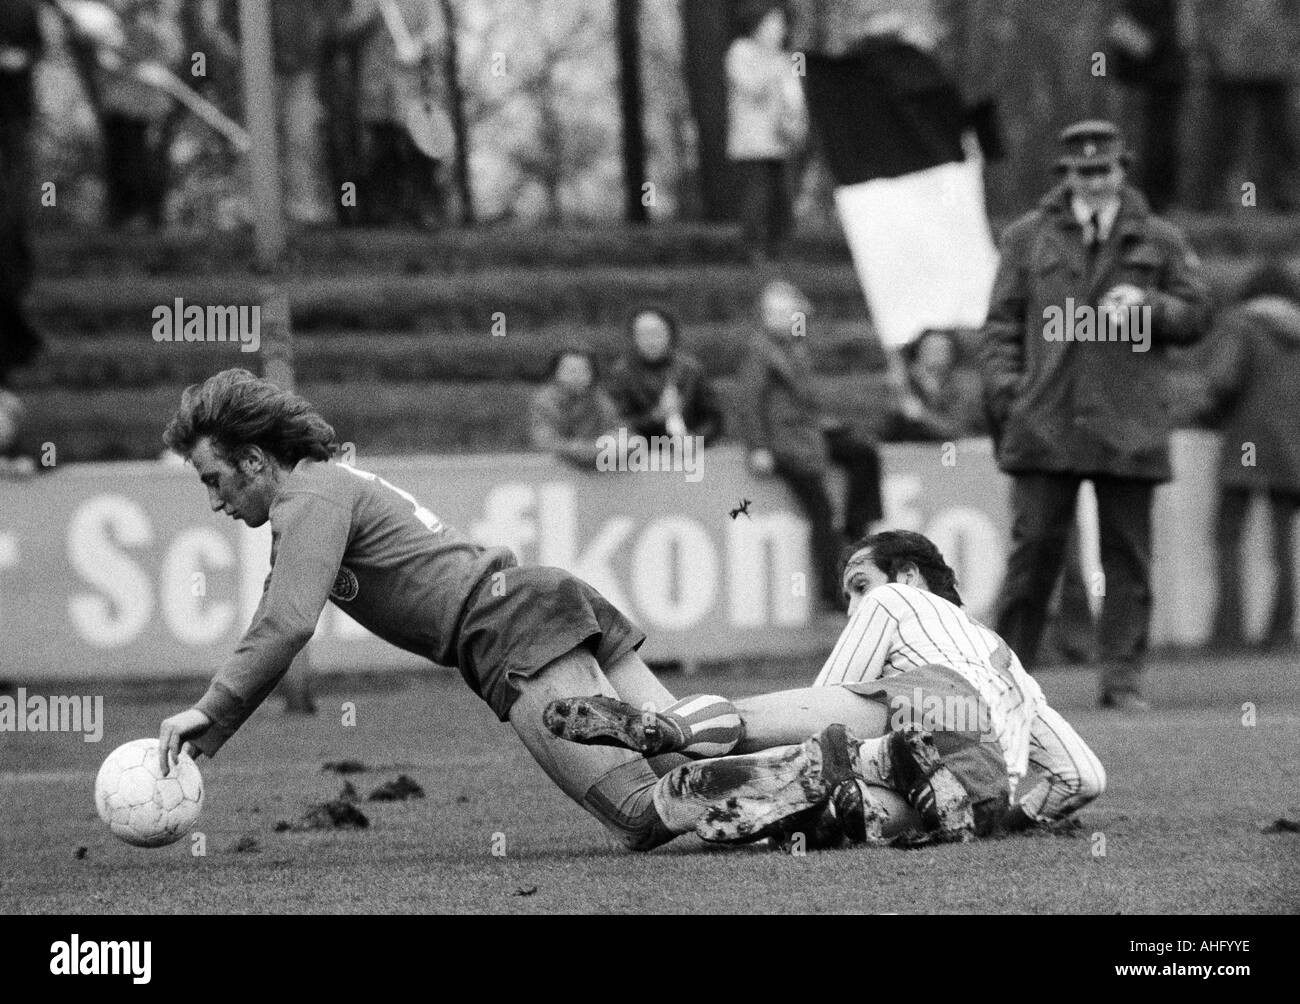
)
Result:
{"points": [[788, 433], [1091, 292]]}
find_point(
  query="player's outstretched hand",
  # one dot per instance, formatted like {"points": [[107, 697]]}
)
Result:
{"points": [[175, 730]]}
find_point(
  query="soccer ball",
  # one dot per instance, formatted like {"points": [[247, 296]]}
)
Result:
{"points": [[140, 805]]}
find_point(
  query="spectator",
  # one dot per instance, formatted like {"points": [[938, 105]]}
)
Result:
{"points": [[1065, 411], [660, 389], [788, 434], [20, 50], [571, 412], [342, 47], [1150, 60], [1254, 383], [767, 124], [1249, 50], [298, 32], [408, 133], [937, 400], [134, 113]]}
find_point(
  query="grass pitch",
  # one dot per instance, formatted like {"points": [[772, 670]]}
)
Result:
{"points": [[1181, 828]]}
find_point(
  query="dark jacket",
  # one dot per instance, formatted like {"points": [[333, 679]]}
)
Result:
{"points": [[1086, 407], [1166, 63], [954, 410], [636, 387], [779, 406], [1254, 384]]}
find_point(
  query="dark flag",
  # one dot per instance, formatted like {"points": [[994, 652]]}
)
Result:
{"points": [[906, 163]]}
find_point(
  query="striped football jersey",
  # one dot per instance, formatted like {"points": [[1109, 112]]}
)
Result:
{"points": [[898, 627]]}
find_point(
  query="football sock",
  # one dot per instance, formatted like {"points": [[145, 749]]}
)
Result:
{"points": [[625, 800], [679, 815], [877, 765], [702, 725]]}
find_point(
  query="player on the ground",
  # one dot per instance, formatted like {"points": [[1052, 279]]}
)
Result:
{"points": [[912, 652], [520, 636], [1063, 772]]}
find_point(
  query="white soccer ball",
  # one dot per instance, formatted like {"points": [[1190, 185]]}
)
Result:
{"points": [[140, 805]]}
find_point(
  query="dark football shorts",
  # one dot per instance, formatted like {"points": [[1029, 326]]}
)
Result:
{"points": [[522, 618], [941, 701]]}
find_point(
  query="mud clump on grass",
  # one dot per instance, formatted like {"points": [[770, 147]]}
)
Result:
{"points": [[397, 791], [344, 766], [337, 814]]}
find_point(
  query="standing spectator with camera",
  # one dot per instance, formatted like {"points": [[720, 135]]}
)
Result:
{"points": [[1064, 408]]}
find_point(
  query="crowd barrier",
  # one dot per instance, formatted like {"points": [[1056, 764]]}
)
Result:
{"points": [[122, 569]]}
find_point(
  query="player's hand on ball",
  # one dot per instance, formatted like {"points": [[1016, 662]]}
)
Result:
{"points": [[175, 730]]}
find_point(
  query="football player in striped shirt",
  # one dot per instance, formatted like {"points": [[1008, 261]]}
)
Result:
{"points": [[943, 722]]}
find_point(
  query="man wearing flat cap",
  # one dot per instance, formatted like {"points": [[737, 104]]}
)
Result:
{"points": [[1091, 292]]}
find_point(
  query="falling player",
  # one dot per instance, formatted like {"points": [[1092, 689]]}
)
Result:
{"points": [[520, 636], [912, 652]]}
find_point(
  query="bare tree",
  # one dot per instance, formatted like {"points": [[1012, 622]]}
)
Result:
{"points": [[632, 102], [456, 100], [706, 34], [538, 115]]}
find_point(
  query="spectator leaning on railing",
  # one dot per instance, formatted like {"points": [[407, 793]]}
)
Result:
{"points": [[660, 389], [1253, 379], [788, 434], [572, 412], [936, 401], [1073, 394]]}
